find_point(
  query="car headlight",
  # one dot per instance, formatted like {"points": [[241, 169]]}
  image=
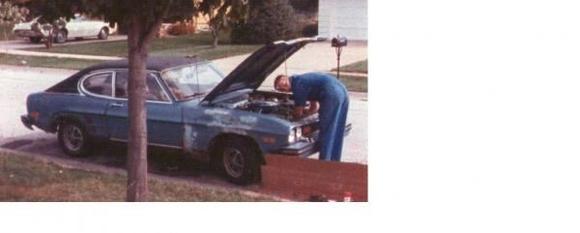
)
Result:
{"points": [[294, 135], [298, 133]]}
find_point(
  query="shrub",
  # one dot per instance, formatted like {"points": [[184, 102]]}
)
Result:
{"points": [[305, 5], [181, 28], [269, 20], [310, 30], [10, 13]]}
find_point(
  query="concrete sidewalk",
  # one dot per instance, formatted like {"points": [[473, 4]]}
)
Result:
{"points": [[58, 55], [313, 57]]}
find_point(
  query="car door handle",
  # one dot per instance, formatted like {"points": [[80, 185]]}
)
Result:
{"points": [[117, 105]]}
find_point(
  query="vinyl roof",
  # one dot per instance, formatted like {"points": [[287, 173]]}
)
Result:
{"points": [[153, 63]]}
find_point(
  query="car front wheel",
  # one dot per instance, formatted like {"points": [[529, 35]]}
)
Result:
{"points": [[103, 34], [73, 139], [238, 161]]}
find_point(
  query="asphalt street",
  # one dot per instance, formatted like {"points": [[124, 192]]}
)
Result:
{"points": [[18, 82]]}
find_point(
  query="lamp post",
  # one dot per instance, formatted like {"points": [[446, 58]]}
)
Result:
{"points": [[338, 42]]}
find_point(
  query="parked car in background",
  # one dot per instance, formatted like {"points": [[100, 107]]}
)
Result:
{"points": [[190, 107], [77, 27]]}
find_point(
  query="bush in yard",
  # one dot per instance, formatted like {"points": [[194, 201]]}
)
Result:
{"points": [[10, 13], [310, 30], [305, 5], [181, 28], [269, 20]]}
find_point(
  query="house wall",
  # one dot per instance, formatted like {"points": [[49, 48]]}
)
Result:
{"points": [[344, 17]]}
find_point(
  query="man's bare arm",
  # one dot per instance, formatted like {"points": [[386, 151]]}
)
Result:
{"points": [[298, 112]]}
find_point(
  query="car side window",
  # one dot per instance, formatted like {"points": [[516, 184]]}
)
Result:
{"points": [[99, 84], [154, 91]]}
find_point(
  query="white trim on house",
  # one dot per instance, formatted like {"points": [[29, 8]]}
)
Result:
{"points": [[344, 17]]}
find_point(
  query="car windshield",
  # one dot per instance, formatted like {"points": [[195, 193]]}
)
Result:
{"points": [[191, 81]]}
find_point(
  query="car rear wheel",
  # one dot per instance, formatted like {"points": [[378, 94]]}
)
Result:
{"points": [[73, 139], [237, 160], [103, 34], [60, 36]]}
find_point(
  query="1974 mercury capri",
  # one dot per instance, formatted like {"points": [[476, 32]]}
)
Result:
{"points": [[190, 107]]}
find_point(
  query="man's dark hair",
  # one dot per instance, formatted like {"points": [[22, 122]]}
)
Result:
{"points": [[278, 79]]}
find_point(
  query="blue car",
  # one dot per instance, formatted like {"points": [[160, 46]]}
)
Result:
{"points": [[191, 106]]}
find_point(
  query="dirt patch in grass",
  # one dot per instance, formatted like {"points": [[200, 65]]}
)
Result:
{"points": [[26, 179]]}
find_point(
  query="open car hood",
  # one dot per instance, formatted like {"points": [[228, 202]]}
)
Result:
{"points": [[255, 69]]}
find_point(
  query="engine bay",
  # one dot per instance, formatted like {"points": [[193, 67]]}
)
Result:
{"points": [[278, 104], [263, 102]]}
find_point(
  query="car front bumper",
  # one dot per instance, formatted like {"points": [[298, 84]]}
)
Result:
{"points": [[307, 147], [301, 148], [27, 121]]}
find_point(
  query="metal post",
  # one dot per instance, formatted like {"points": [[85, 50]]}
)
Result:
{"points": [[338, 52], [338, 42]]}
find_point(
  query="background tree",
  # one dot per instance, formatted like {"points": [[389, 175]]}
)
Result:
{"points": [[143, 19], [221, 13], [10, 14], [268, 20]]}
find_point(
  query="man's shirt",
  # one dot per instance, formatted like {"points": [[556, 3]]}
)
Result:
{"points": [[311, 87]]}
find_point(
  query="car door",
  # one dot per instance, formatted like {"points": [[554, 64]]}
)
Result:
{"points": [[164, 120], [97, 90], [73, 28]]}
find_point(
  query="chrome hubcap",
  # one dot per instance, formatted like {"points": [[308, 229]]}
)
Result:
{"points": [[73, 137], [60, 37], [233, 162]]}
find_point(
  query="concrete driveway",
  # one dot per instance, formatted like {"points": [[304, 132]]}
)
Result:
{"points": [[18, 82]]}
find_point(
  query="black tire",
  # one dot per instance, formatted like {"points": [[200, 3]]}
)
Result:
{"points": [[35, 40], [237, 160], [103, 34], [74, 139], [60, 36]]}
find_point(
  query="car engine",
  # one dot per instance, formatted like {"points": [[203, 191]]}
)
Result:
{"points": [[269, 103]]}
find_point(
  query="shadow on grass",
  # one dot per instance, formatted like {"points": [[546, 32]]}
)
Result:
{"points": [[161, 161]]}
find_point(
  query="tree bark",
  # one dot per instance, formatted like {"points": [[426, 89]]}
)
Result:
{"points": [[141, 32], [214, 35], [137, 142]]}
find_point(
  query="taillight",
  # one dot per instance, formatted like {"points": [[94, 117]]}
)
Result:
{"points": [[34, 115]]}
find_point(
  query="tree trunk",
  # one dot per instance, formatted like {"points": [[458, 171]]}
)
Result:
{"points": [[137, 143], [214, 35]]}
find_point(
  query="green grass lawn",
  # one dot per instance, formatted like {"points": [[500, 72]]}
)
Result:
{"points": [[357, 67], [354, 83], [48, 62], [26, 179], [195, 44]]}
